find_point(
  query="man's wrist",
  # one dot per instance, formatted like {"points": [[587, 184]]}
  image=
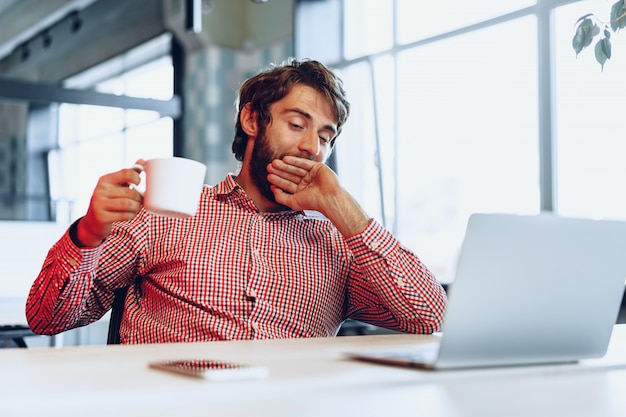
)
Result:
{"points": [[81, 236], [348, 216]]}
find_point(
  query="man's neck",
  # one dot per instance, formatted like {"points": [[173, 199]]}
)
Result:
{"points": [[261, 202]]}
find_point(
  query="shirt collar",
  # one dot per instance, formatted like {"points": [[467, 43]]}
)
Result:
{"points": [[229, 188], [228, 185]]}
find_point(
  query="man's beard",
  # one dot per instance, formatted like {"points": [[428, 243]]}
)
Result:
{"points": [[262, 155]]}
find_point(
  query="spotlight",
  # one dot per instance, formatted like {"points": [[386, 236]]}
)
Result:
{"points": [[46, 39], [25, 52], [76, 22]]}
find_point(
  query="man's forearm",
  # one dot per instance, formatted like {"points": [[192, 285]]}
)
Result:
{"points": [[346, 214]]}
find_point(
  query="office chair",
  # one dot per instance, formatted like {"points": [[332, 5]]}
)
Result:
{"points": [[15, 334], [119, 296]]}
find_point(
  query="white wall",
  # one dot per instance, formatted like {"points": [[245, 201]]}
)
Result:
{"points": [[23, 248]]}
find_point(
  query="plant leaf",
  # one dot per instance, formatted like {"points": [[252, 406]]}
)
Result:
{"points": [[606, 47], [595, 30], [583, 17], [603, 51], [585, 31], [618, 16]]}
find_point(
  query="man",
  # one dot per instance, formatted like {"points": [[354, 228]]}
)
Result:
{"points": [[279, 250]]}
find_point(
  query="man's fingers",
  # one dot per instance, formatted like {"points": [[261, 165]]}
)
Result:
{"points": [[292, 169], [280, 196], [130, 193], [275, 176], [282, 183], [121, 204], [138, 168], [277, 169], [123, 177], [294, 161]]}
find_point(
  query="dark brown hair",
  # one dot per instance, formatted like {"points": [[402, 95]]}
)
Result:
{"points": [[276, 82]]}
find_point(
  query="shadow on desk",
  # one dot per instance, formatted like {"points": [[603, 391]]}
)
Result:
{"points": [[357, 328]]}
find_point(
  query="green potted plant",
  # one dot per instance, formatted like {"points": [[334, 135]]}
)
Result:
{"points": [[590, 27]]}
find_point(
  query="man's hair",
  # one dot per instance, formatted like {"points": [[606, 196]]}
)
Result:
{"points": [[276, 82]]}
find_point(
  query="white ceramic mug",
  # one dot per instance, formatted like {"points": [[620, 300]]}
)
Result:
{"points": [[173, 186]]}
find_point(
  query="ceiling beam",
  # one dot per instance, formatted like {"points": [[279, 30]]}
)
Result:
{"points": [[81, 40], [23, 19], [11, 89]]}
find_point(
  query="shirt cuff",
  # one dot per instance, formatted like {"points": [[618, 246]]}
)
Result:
{"points": [[373, 243], [72, 258]]}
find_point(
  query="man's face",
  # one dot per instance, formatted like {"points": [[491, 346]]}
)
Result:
{"points": [[301, 124], [262, 155]]}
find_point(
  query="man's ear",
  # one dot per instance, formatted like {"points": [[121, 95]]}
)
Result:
{"points": [[248, 119]]}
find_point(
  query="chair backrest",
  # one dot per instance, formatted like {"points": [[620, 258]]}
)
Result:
{"points": [[117, 310]]}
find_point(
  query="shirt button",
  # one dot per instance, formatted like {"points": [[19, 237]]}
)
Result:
{"points": [[375, 244], [255, 326], [400, 282], [73, 262], [255, 251]]}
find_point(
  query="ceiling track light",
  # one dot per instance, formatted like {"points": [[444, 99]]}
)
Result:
{"points": [[24, 51], [46, 39], [76, 21]]}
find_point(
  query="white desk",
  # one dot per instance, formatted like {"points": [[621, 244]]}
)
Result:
{"points": [[308, 377]]}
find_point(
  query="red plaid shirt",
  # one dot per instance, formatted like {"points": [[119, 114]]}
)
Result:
{"points": [[231, 272]]}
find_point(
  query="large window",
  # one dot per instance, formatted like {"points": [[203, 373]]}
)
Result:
{"points": [[590, 140], [95, 140], [458, 108]]}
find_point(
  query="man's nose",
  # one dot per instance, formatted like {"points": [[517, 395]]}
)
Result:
{"points": [[310, 144]]}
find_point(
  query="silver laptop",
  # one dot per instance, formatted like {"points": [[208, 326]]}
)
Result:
{"points": [[528, 290]]}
